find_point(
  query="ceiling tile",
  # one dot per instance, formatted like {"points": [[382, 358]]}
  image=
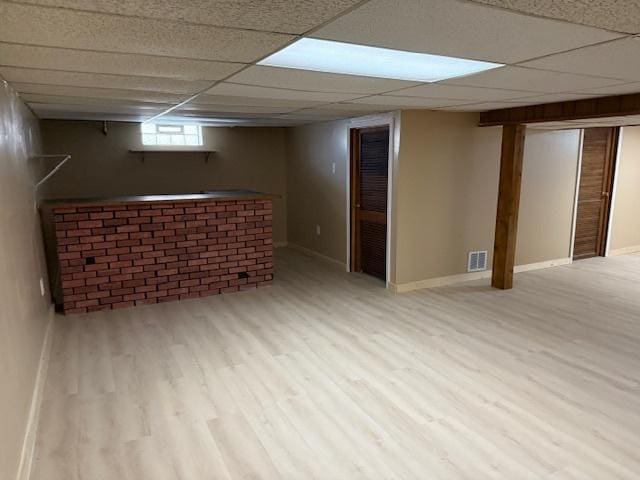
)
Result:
{"points": [[632, 87], [100, 80], [224, 121], [291, 16], [35, 25], [618, 15], [47, 114], [314, 116], [66, 100], [556, 97], [408, 102], [212, 108], [221, 114], [460, 29], [356, 109], [437, 90], [617, 59], [484, 106], [114, 63], [249, 101], [342, 110], [101, 109], [60, 90], [232, 89], [518, 78], [316, 81]]}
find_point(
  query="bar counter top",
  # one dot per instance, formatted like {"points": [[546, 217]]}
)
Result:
{"points": [[222, 195]]}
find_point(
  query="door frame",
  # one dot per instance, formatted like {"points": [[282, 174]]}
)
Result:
{"points": [[614, 190], [615, 160], [392, 121]]}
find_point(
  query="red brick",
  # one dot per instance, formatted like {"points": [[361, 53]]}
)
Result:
{"points": [[204, 246], [92, 238], [146, 301], [169, 298], [90, 224], [128, 228], [97, 281], [115, 222], [146, 288], [86, 303], [74, 217], [157, 294], [120, 264], [139, 220], [117, 237], [111, 300], [76, 233], [121, 277], [126, 214], [101, 215], [95, 295], [107, 259]]}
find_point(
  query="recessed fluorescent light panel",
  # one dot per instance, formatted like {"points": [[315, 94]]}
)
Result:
{"points": [[350, 59]]}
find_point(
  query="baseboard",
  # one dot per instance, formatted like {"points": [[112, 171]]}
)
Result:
{"points": [[624, 251], [558, 262], [29, 444], [468, 277], [439, 281], [313, 253]]}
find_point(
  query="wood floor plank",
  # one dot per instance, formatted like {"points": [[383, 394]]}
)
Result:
{"points": [[325, 375]]}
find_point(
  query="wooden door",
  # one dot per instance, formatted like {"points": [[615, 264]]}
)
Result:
{"points": [[369, 177], [594, 195]]}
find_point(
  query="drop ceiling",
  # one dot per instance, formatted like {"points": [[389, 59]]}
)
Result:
{"points": [[196, 60]]}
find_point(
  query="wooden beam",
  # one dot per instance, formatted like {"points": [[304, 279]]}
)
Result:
{"points": [[602, 107], [504, 250]]}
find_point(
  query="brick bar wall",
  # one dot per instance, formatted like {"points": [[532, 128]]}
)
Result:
{"points": [[116, 256]]}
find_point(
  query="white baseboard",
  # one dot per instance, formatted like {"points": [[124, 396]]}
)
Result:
{"points": [[313, 253], [468, 277], [439, 281], [29, 443], [624, 251], [558, 262]]}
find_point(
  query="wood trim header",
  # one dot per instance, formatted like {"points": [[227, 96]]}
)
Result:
{"points": [[614, 106]]}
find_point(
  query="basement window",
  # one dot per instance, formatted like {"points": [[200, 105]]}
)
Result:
{"points": [[171, 135]]}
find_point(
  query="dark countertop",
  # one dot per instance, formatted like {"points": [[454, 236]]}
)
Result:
{"points": [[183, 197]]}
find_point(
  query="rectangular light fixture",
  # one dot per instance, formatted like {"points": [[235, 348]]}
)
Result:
{"points": [[351, 59]]}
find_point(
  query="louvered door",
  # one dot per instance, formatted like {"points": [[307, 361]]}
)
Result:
{"points": [[594, 195], [369, 174]]}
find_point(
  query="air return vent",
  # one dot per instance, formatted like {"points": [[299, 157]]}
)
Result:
{"points": [[477, 261]]}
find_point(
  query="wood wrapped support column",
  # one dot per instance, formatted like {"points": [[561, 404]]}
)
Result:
{"points": [[504, 249]]}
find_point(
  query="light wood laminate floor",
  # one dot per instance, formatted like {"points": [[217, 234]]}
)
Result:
{"points": [[325, 375]]}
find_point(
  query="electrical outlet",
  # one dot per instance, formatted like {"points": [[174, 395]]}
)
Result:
{"points": [[333, 168], [41, 286], [317, 229]]}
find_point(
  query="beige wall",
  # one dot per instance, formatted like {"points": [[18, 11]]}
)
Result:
{"points": [[448, 187], [101, 165], [548, 194], [625, 228], [447, 193], [317, 196], [23, 311]]}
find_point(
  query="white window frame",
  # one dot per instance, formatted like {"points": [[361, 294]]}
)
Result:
{"points": [[151, 135]]}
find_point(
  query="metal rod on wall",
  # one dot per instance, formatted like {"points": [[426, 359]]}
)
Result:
{"points": [[57, 167]]}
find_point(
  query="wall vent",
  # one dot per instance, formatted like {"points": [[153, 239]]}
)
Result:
{"points": [[477, 261]]}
